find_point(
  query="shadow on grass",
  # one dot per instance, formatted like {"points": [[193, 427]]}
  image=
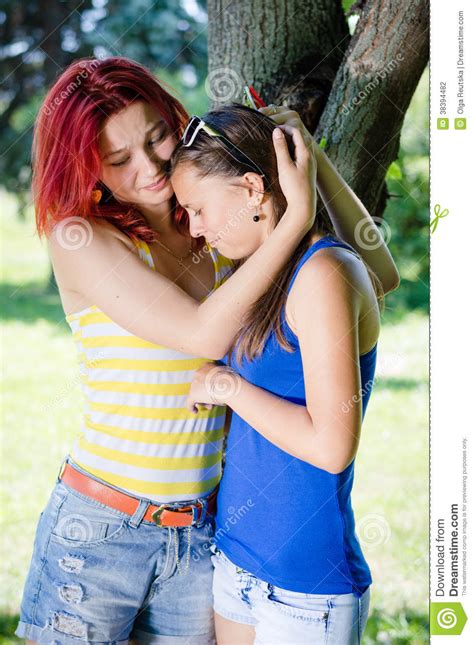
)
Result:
{"points": [[407, 628], [30, 302]]}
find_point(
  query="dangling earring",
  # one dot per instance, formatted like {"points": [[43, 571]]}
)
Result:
{"points": [[256, 217]]}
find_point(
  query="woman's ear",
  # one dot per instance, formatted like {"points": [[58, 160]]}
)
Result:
{"points": [[255, 188]]}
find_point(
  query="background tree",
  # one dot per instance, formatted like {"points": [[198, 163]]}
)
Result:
{"points": [[350, 69], [353, 90]]}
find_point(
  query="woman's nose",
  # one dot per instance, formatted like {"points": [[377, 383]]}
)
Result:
{"points": [[196, 228], [151, 164]]}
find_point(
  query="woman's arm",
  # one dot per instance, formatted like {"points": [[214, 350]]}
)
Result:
{"points": [[351, 220], [325, 432], [106, 272]]}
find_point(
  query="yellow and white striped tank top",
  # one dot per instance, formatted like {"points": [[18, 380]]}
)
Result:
{"points": [[137, 433]]}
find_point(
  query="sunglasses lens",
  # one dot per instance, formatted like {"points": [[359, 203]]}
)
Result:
{"points": [[190, 131]]}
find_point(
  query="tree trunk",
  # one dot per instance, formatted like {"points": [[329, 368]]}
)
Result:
{"points": [[371, 94], [289, 50], [300, 52]]}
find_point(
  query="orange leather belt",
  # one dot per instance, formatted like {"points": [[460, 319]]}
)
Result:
{"points": [[162, 515]]}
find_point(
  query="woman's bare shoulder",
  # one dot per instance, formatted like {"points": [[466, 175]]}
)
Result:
{"points": [[78, 246], [76, 233]]}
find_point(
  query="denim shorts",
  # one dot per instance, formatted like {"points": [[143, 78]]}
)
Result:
{"points": [[98, 575], [286, 617]]}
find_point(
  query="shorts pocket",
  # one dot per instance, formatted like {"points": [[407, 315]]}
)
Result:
{"points": [[302, 606], [82, 522]]}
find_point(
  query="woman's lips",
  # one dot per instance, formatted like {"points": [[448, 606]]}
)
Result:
{"points": [[158, 185]]}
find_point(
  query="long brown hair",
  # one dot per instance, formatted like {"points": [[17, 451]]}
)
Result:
{"points": [[251, 132]]}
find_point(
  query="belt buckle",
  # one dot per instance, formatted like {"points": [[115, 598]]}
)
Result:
{"points": [[156, 515]]}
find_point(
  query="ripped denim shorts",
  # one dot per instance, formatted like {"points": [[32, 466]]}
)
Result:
{"points": [[100, 576]]}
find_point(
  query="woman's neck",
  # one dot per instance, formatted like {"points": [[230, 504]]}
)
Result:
{"points": [[160, 218], [315, 236]]}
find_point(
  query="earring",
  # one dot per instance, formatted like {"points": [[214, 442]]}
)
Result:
{"points": [[256, 217], [96, 196]]}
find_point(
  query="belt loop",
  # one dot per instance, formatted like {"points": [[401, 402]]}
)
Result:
{"points": [[139, 514], [61, 469]]}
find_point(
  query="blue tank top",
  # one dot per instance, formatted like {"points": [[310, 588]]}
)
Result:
{"points": [[285, 521]]}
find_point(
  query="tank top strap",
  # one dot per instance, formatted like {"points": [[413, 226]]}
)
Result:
{"points": [[324, 242], [214, 255], [144, 252]]}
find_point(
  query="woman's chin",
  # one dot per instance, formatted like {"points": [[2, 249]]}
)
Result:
{"points": [[231, 252]]}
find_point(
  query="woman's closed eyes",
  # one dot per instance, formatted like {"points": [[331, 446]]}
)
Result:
{"points": [[157, 140]]}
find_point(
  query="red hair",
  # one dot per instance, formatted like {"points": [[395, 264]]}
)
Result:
{"points": [[66, 160]]}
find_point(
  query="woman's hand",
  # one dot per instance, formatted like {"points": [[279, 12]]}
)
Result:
{"points": [[351, 220], [213, 384], [297, 177], [283, 116]]}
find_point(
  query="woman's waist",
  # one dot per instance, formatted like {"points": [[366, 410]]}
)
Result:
{"points": [[295, 561], [285, 493], [172, 489], [158, 446], [161, 474]]}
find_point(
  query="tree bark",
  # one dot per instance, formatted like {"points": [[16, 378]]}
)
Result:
{"points": [[289, 50], [371, 94], [353, 91]]}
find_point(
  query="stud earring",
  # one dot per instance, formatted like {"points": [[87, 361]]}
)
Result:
{"points": [[96, 196]]}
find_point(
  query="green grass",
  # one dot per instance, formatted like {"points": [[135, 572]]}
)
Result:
{"points": [[41, 416], [392, 481]]}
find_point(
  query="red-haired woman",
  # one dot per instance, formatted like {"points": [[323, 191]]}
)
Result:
{"points": [[121, 549]]}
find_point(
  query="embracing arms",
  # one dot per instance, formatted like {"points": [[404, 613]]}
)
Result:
{"points": [[324, 433], [107, 273]]}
